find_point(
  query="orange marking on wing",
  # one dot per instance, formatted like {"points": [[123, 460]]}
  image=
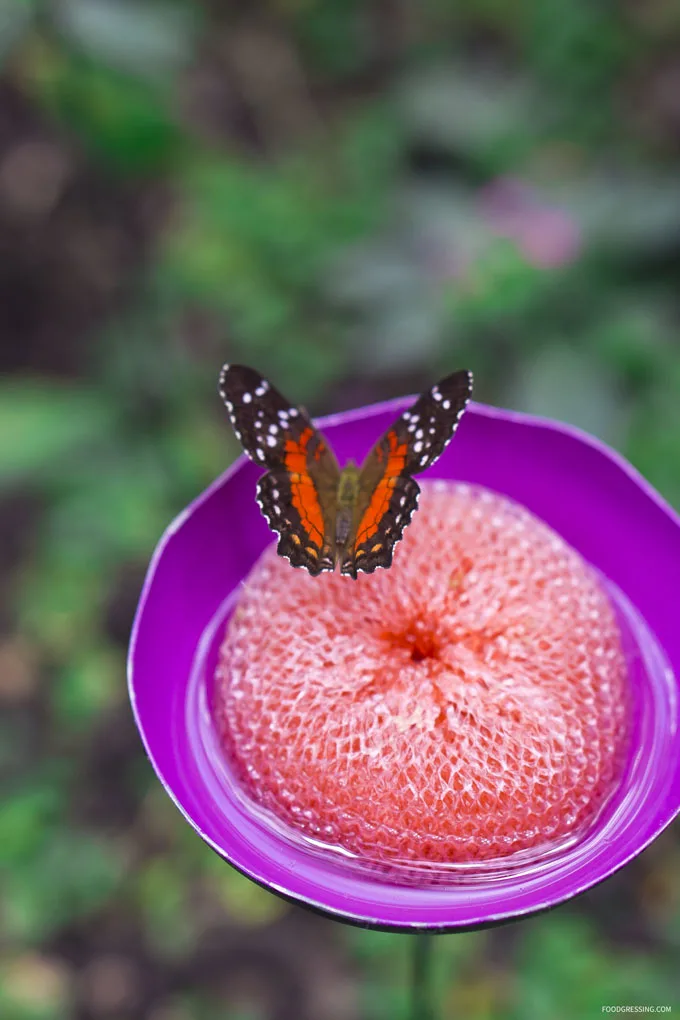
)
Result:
{"points": [[303, 492], [393, 441], [380, 500]]}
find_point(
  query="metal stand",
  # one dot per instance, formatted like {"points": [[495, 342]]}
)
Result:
{"points": [[422, 1007]]}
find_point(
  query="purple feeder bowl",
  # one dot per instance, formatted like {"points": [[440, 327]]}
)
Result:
{"points": [[591, 496]]}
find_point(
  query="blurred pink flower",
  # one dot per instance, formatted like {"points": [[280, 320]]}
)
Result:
{"points": [[546, 235]]}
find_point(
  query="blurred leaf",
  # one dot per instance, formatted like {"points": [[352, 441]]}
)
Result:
{"points": [[393, 287], [165, 901], [253, 242], [125, 120], [485, 117], [384, 1000], [372, 945], [244, 901], [622, 214], [579, 49], [61, 599], [654, 444], [16, 18], [563, 972], [41, 425], [634, 339], [564, 383], [87, 686], [499, 287], [26, 822], [198, 448], [147, 38], [115, 509], [334, 36], [73, 875], [396, 315]]}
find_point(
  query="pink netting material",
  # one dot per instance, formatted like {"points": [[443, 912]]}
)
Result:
{"points": [[467, 703]]}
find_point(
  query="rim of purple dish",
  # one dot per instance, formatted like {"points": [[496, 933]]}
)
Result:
{"points": [[584, 490]]}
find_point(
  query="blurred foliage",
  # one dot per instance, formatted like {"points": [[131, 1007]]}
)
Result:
{"points": [[354, 197]]}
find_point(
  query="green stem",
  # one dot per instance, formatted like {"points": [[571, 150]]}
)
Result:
{"points": [[422, 1007]]}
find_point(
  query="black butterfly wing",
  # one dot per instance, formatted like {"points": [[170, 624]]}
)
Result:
{"points": [[297, 495], [429, 426], [388, 495]]}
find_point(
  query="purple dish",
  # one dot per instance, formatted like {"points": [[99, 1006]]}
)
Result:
{"points": [[590, 496]]}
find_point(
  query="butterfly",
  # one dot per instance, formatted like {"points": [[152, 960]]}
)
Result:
{"points": [[324, 515]]}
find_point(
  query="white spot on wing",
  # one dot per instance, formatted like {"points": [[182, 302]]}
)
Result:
{"points": [[247, 397], [271, 441], [446, 404]]}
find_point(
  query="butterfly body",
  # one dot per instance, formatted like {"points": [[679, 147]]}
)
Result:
{"points": [[346, 501], [326, 516]]}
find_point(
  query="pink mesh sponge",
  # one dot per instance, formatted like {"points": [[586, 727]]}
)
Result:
{"points": [[467, 703]]}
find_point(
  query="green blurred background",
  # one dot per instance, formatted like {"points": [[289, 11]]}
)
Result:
{"points": [[354, 197]]}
